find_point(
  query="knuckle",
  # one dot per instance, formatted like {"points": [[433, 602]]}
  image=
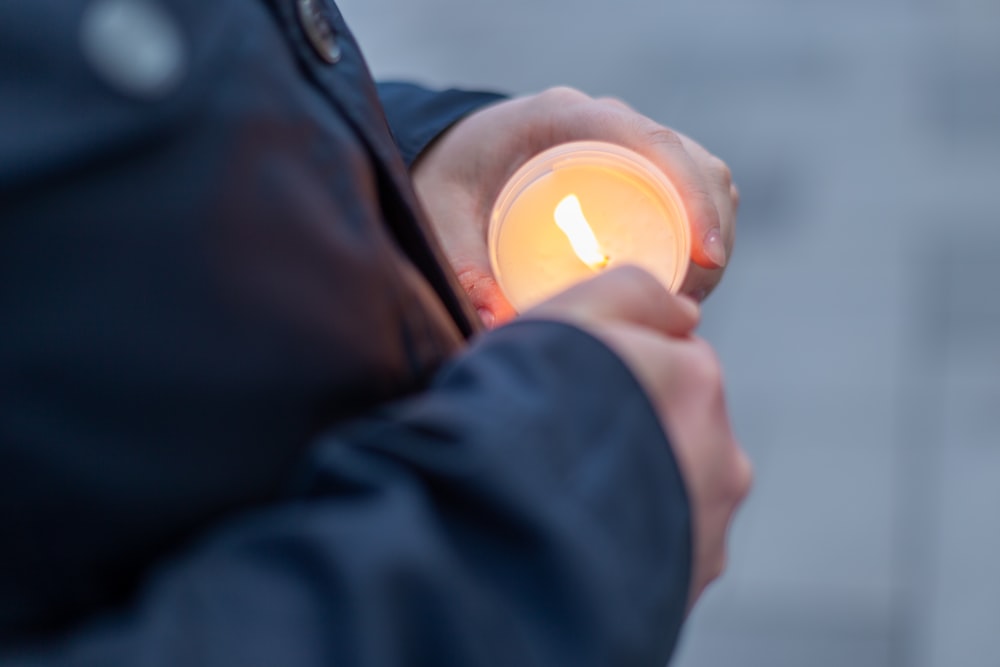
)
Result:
{"points": [[603, 120], [708, 377], [743, 476], [724, 173], [641, 284], [707, 367], [563, 95], [637, 276], [663, 137], [614, 102]]}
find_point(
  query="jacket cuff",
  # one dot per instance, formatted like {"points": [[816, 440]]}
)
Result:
{"points": [[417, 116]]}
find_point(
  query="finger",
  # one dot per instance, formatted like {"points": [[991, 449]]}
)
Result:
{"points": [[700, 282], [668, 151], [486, 296], [626, 294], [461, 231], [724, 193]]}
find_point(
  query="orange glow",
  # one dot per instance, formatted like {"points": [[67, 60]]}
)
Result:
{"points": [[570, 219]]}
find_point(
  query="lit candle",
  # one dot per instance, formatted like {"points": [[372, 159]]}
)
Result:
{"points": [[581, 208]]}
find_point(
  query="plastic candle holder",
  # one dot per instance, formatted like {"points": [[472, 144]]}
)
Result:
{"points": [[581, 208]]}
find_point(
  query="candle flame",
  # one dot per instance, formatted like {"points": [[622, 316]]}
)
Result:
{"points": [[570, 219]]}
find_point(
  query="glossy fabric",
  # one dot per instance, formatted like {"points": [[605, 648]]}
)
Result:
{"points": [[240, 420]]}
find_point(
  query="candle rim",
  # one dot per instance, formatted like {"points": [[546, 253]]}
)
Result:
{"points": [[603, 154]]}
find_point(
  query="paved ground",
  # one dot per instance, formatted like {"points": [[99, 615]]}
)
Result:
{"points": [[859, 323]]}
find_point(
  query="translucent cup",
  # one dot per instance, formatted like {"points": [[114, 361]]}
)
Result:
{"points": [[632, 208]]}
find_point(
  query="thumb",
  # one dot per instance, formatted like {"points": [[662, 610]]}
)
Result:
{"points": [[626, 294]]}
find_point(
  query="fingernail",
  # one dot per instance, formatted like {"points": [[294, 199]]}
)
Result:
{"points": [[488, 318], [714, 248]]}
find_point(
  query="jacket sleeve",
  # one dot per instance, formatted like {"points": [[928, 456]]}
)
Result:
{"points": [[417, 116], [525, 509]]}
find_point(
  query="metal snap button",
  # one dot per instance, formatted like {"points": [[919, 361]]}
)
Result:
{"points": [[314, 16]]}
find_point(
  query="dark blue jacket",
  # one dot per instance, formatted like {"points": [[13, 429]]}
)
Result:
{"points": [[241, 422]]}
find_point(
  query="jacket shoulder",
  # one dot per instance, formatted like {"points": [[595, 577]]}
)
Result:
{"points": [[80, 78]]}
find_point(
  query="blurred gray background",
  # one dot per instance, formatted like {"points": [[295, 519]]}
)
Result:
{"points": [[859, 323]]}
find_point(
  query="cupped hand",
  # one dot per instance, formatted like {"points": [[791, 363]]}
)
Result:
{"points": [[651, 330], [461, 174]]}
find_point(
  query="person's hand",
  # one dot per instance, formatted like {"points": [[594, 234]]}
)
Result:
{"points": [[651, 330], [461, 174]]}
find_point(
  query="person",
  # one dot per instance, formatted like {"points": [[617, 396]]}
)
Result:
{"points": [[249, 414]]}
